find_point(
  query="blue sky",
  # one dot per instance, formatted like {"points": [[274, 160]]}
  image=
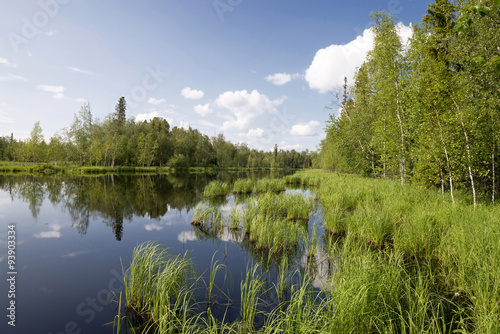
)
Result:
{"points": [[259, 71]]}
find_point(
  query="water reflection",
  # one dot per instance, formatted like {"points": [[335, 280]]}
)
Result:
{"points": [[114, 199]]}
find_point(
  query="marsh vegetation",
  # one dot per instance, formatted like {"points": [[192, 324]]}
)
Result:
{"points": [[384, 258]]}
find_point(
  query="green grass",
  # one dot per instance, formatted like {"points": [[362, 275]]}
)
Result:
{"points": [[399, 260], [158, 288], [270, 185], [243, 186], [216, 189], [208, 217]]}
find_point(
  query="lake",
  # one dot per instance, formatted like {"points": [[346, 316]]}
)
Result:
{"points": [[74, 234]]}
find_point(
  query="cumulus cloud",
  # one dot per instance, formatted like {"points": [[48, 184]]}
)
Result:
{"points": [[288, 147], [192, 94], [6, 62], [203, 110], [405, 33], [309, 129], [52, 32], [58, 91], [244, 106], [254, 133], [12, 77], [280, 79], [153, 227], [331, 64], [53, 234], [186, 236], [80, 100], [147, 117], [156, 102], [184, 125]]}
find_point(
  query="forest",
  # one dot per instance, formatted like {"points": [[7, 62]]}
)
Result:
{"points": [[426, 112], [118, 141]]}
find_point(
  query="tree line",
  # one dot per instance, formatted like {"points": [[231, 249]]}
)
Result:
{"points": [[426, 112], [118, 141]]}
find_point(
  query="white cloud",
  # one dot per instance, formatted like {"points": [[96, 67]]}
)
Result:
{"points": [[330, 65], [52, 32], [254, 133], [309, 129], [153, 227], [192, 94], [405, 33], [80, 100], [244, 107], [12, 77], [6, 62], [288, 147], [156, 102], [203, 110], [147, 117], [279, 79], [79, 70], [184, 125], [186, 236], [54, 233], [57, 90]]}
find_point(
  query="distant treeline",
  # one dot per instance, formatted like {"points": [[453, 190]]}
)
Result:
{"points": [[427, 113], [118, 141]]}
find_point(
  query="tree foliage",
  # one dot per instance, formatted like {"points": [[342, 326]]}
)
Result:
{"points": [[428, 112], [118, 141]]}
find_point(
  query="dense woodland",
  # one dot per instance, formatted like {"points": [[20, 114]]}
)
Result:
{"points": [[427, 112], [118, 141]]}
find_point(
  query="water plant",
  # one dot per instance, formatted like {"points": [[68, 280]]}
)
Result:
{"points": [[270, 185], [158, 287], [243, 186], [216, 189]]}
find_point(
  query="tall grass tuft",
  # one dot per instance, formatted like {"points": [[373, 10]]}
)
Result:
{"points": [[158, 287], [243, 186], [216, 189], [270, 185]]}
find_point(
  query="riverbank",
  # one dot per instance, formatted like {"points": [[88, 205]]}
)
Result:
{"points": [[10, 168], [399, 259]]}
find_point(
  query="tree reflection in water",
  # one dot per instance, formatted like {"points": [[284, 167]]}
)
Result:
{"points": [[114, 198]]}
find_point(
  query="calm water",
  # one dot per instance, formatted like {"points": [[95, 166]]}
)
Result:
{"points": [[73, 234]]}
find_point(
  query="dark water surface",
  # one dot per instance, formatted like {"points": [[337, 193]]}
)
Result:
{"points": [[74, 233]]}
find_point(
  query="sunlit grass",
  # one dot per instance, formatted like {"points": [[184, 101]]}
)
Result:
{"points": [[399, 260], [270, 185], [216, 189], [243, 186]]}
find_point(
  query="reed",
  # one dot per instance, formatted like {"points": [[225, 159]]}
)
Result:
{"points": [[243, 186], [209, 217], [251, 288], [216, 189], [270, 185], [157, 287]]}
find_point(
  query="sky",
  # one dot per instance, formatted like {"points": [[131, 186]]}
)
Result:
{"points": [[258, 71]]}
